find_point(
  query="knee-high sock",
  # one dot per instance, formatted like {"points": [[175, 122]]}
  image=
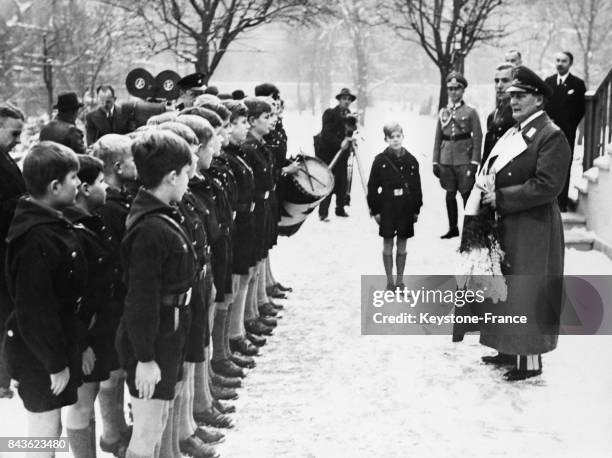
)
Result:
{"points": [[92, 435], [262, 298], [388, 263], [111, 427], [226, 325], [176, 420], [184, 427], [452, 212], [400, 264], [79, 440], [529, 362], [251, 298], [202, 398], [217, 335], [236, 327]]}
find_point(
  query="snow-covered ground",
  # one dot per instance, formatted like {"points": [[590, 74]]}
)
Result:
{"points": [[322, 390]]}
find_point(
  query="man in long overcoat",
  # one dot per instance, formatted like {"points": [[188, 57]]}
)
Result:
{"points": [[530, 163]]}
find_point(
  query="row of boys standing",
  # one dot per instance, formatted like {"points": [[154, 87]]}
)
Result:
{"points": [[87, 261]]}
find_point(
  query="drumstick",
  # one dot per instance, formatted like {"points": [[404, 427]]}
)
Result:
{"points": [[313, 177], [308, 173]]}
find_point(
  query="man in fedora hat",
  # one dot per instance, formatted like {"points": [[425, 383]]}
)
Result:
{"points": [[62, 129], [334, 137]]}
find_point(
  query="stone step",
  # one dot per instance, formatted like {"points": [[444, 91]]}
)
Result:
{"points": [[573, 220], [580, 239]]}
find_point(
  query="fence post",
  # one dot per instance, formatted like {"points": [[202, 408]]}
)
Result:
{"points": [[590, 134]]}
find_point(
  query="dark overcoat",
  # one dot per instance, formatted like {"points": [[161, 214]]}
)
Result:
{"points": [[531, 235], [65, 133], [566, 106]]}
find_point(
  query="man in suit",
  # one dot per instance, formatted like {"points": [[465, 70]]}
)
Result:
{"points": [[566, 107], [107, 118], [62, 129], [333, 137], [12, 186]]}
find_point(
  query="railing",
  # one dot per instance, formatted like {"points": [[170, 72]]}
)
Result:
{"points": [[597, 122]]}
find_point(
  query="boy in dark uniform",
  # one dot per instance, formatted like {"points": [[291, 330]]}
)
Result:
{"points": [[115, 151], [395, 199], [243, 236], [204, 407], [254, 154], [159, 266], [183, 427], [46, 274], [96, 314]]}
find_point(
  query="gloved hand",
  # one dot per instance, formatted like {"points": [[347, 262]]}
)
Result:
{"points": [[436, 170]]}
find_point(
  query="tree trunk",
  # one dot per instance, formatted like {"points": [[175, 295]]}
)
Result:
{"points": [[202, 61], [443, 97], [361, 75]]}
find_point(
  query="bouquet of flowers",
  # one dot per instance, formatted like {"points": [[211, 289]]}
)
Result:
{"points": [[481, 255]]}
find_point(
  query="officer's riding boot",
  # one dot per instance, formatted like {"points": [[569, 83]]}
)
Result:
{"points": [[465, 196], [453, 213], [388, 263]]}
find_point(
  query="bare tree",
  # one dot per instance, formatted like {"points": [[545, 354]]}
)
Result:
{"points": [[446, 30], [590, 20], [200, 31]]}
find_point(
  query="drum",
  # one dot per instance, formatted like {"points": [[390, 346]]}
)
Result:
{"points": [[303, 191]]}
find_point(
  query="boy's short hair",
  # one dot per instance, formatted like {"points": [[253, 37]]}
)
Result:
{"points": [[391, 127], [180, 129], [89, 168], [157, 153], [45, 162], [213, 103], [236, 108], [200, 126], [212, 117], [8, 110], [257, 106], [111, 149], [504, 66], [161, 118]]}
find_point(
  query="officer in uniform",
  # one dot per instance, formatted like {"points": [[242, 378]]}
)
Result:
{"points": [[190, 87], [456, 149], [500, 120]]}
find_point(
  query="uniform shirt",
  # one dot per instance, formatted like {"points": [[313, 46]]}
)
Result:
{"points": [[46, 275], [386, 185], [253, 153], [456, 121], [276, 143], [245, 182], [221, 169], [158, 260], [201, 187], [498, 122], [194, 213], [103, 266]]}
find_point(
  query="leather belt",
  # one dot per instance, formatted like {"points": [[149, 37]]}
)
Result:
{"points": [[177, 300], [244, 208], [453, 137]]}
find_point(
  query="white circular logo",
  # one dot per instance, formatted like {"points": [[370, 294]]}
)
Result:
{"points": [[140, 83], [168, 85]]}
